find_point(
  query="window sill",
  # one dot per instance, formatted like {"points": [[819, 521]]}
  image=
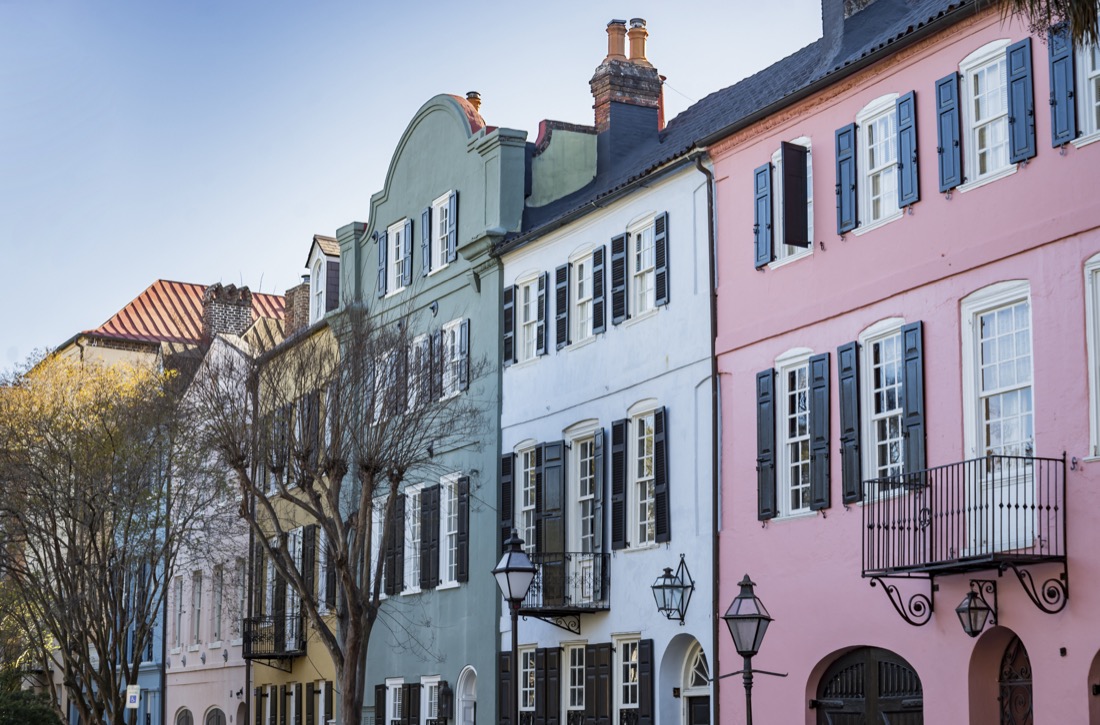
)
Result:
{"points": [[448, 585], [861, 230], [396, 292], [636, 319], [988, 178], [194, 647], [807, 252], [236, 642], [525, 363], [1086, 139], [409, 591], [808, 514], [581, 343], [642, 547], [440, 268], [215, 645], [174, 651]]}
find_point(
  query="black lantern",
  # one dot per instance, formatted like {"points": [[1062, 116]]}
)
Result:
{"points": [[974, 610], [446, 702], [515, 572], [747, 620], [672, 592]]}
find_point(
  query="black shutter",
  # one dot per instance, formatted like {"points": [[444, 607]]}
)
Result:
{"points": [[330, 708], [429, 537], [426, 241], [464, 355], [599, 495], [507, 465], [912, 381], [1021, 102], [508, 326], [765, 444], [598, 295], [647, 714], [259, 586], [660, 254], [393, 579], [280, 613], [846, 215], [452, 227], [462, 540], [618, 279], [275, 703], [311, 704], [851, 475], [597, 684], [1063, 105], [258, 696], [332, 289], [438, 363], [282, 705], [762, 215], [796, 221], [618, 484], [330, 575], [540, 686], [382, 244], [561, 306], [908, 178], [379, 705], [410, 703], [407, 262], [553, 686], [507, 688], [662, 521], [552, 524], [538, 501], [947, 129], [819, 432], [540, 324], [309, 561], [298, 703]]}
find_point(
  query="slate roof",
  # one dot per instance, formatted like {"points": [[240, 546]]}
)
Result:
{"points": [[882, 24], [329, 246]]}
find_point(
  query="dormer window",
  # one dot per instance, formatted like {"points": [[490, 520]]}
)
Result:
{"points": [[317, 291], [323, 264]]}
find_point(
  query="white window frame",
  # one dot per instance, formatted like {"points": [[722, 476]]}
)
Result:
{"points": [[642, 489], [786, 253], [527, 318], [293, 598], [395, 257], [581, 301], [1092, 341], [440, 210], [269, 584], [420, 371], [196, 607], [217, 602], [429, 697], [178, 585], [981, 60], [1087, 94], [413, 537], [448, 531], [790, 362], [880, 114], [573, 696], [525, 494], [452, 358], [627, 686], [394, 694], [318, 281], [322, 570], [641, 253], [526, 671], [872, 336], [578, 436], [272, 696]]}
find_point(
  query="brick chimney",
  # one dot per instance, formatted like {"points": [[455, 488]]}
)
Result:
{"points": [[226, 309], [296, 316], [474, 99]]}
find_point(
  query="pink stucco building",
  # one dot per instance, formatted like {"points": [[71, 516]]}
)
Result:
{"points": [[908, 311]]}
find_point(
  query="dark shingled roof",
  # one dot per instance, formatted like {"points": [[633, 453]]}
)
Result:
{"points": [[882, 24]]}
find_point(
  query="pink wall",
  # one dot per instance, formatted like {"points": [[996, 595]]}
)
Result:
{"points": [[1040, 224]]}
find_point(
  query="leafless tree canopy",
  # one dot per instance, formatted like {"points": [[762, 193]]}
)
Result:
{"points": [[1042, 15]]}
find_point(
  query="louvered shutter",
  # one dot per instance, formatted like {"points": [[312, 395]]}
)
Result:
{"points": [[598, 296], [1021, 102], [507, 465], [553, 686], [762, 214], [383, 243], [259, 586], [552, 524], [662, 521], [618, 279], [561, 306], [846, 215], [330, 576], [819, 432], [426, 241], [597, 687], [462, 540], [407, 261], [506, 690], [1063, 104], [298, 703], [275, 704], [540, 324], [464, 355], [599, 495], [429, 537], [796, 221], [330, 705], [851, 468], [311, 704], [309, 561], [765, 444], [379, 705], [452, 227], [508, 326], [908, 177], [660, 265], [258, 703], [647, 715], [618, 484], [282, 704], [394, 550], [439, 361], [912, 381], [332, 288], [540, 687], [947, 129], [280, 612], [538, 500], [313, 433], [410, 703]]}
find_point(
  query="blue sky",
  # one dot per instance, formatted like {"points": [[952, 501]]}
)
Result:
{"points": [[207, 141]]}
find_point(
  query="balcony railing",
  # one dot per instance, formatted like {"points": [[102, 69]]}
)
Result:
{"points": [[966, 516], [569, 582], [273, 637]]}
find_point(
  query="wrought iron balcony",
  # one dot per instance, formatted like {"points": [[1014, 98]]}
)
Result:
{"points": [[985, 513], [273, 637], [568, 583]]}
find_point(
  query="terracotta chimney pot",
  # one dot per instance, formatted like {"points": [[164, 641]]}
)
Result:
{"points": [[474, 98], [638, 34], [616, 40]]}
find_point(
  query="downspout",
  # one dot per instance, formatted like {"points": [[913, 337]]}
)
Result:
{"points": [[715, 473]]}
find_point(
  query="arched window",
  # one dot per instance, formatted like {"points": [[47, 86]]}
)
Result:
{"points": [[185, 718], [215, 717]]}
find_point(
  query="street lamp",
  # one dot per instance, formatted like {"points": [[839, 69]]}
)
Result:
{"points": [[672, 592], [747, 620], [514, 575]]}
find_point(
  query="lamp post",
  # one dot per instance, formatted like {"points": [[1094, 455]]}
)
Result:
{"points": [[514, 575], [747, 620]]}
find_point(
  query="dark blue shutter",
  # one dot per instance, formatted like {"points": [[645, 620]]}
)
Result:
{"points": [[1021, 102], [947, 129], [618, 279], [452, 227], [618, 484], [382, 243], [508, 326], [846, 217], [551, 527], [407, 262], [765, 444], [662, 521], [908, 178], [464, 355], [438, 363], [912, 381], [794, 159], [762, 214], [462, 539], [1063, 105], [599, 495], [819, 432], [847, 357], [332, 288], [429, 537], [540, 324], [598, 294], [660, 253], [395, 548], [561, 305], [426, 241], [647, 714], [507, 465]]}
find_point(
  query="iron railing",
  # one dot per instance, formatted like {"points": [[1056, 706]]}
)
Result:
{"points": [[569, 581], [273, 637], [575, 717], [965, 516]]}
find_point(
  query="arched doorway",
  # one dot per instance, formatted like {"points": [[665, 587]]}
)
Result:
{"points": [[466, 697], [870, 684], [215, 717], [696, 687], [1014, 685]]}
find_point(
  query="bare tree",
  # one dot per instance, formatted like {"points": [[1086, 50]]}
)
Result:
{"points": [[1043, 15], [335, 422]]}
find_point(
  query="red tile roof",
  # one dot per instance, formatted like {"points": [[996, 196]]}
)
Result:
{"points": [[172, 312]]}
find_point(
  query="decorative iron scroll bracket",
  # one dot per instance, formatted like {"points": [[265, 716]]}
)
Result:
{"points": [[275, 664], [1054, 593], [984, 589], [568, 622], [917, 610]]}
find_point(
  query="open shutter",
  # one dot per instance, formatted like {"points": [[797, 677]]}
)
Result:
{"points": [[332, 285], [561, 306], [429, 537], [553, 686], [552, 528], [309, 561], [765, 444], [330, 576], [538, 500], [618, 279], [507, 465], [1063, 105], [426, 241], [646, 679], [462, 540], [847, 357], [660, 254], [762, 215], [330, 705], [662, 521], [908, 179], [311, 704], [618, 484], [598, 298], [283, 696], [540, 687], [280, 613], [379, 705], [1021, 102], [464, 355], [298, 703], [394, 549], [846, 219], [407, 260], [383, 242], [438, 363], [508, 325], [452, 227], [258, 696], [819, 432], [540, 323], [947, 129], [912, 381], [597, 684], [599, 494], [410, 703], [796, 221], [258, 585], [506, 689]]}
